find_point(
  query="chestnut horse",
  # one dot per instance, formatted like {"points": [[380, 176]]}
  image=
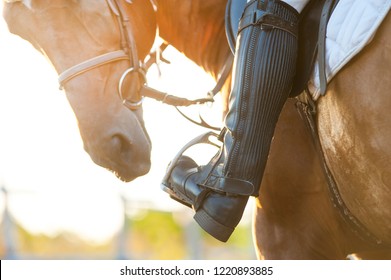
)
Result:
{"points": [[294, 216]]}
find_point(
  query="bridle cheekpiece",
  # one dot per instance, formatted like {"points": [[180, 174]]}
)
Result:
{"points": [[128, 52]]}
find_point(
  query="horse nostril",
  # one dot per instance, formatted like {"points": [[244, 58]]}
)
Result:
{"points": [[120, 143]]}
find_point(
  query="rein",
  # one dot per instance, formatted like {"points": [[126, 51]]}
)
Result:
{"points": [[129, 52]]}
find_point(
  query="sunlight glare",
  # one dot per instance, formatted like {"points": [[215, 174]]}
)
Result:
{"points": [[53, 184]]}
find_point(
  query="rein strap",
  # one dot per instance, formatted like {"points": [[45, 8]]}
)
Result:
{"points": [[171, 99]]}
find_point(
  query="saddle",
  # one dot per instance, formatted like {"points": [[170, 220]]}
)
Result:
{"points": [[309, 36]]}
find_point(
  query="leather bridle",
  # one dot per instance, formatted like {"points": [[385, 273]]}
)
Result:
{"points": [[128, 52]]}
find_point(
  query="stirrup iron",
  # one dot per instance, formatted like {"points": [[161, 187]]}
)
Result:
{"points": [[165, 185]]}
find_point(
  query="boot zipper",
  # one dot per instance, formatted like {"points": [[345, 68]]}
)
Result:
{"points": [[240, 124]]}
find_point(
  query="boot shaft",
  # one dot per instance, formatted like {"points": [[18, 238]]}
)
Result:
{"points": [[264, 68]]}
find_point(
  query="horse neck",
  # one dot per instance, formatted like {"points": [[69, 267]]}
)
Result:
{"points": [[145, 32], [195, 28]]}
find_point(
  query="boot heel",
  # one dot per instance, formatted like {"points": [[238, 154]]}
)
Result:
{"points": [[211, 226]]}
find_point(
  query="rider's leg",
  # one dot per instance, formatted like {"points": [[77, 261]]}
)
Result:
{"points": [[264, 67]]}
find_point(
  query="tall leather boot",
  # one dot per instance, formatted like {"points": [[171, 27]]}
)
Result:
{"points": [[264, 68]]}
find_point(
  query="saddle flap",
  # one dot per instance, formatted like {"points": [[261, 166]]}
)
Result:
{"points": [[308, 41]]}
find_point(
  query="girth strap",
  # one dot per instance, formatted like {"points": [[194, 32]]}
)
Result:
{"points": [[307, 110]]}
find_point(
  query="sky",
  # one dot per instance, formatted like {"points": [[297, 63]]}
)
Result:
{"points": [[52, 183]]}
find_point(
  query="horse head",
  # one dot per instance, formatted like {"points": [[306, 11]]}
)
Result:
{"points": [[69, 32]]}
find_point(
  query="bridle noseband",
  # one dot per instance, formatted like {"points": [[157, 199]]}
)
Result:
{"points": [[128, 52]]}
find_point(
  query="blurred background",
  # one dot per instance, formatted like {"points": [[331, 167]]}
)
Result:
{"points": [[55, 203]]}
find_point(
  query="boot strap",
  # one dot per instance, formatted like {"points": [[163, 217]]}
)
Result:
{"points": [[255, 16], [230, 185]]}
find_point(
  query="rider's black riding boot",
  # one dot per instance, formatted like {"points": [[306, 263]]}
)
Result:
{"points": [[264, 67]]}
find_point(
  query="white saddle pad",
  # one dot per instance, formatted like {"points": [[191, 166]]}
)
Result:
{"points": [[351, 27]]}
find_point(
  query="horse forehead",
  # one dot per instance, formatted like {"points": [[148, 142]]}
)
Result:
{"points": [[27, 3], [29, 7]]}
